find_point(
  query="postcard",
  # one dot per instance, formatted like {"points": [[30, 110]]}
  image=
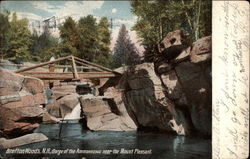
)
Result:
{"points": [[124, 79]]}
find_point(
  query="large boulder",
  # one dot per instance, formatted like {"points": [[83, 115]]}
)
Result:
{"points": [[177, 37], [116, 97], [176, 45], [102, 113], [201, 50], [20, 103], [145, 99], [33, 85], [16, 122], [10, 82], [63, 106]]}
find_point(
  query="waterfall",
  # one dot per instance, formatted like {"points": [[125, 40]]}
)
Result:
{"points": [[75, 113]]}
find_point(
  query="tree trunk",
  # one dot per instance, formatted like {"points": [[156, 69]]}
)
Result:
{"points": [[197, 22], [188, 18], [160, 28]]}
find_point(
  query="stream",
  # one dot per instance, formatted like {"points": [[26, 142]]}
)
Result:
{"points": [[77, 142]]}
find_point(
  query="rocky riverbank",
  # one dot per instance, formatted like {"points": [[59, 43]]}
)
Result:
{"points": [[173, 94]]}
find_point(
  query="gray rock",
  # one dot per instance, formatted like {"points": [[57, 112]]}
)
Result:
{"points": [[201, 50], [23, 140], [102, 113]]}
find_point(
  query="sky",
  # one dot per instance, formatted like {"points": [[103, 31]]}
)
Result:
{"points": [[37, 11]]}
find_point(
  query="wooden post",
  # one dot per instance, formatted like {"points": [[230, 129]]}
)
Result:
{"points": [[51, 67], [74, 68]]}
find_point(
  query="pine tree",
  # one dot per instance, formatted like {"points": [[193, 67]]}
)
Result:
{"points": [[124, 51]]}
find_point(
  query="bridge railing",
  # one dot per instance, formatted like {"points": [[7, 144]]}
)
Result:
{"points": [[79, 69]]}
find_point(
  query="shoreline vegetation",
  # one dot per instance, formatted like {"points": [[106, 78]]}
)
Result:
{"points": [[90, 39]]}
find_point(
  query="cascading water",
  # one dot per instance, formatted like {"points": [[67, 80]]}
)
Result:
{"points": [[75, 113]]}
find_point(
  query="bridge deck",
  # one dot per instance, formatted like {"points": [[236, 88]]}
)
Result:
{"points": [[68, 75], [94, 70]]}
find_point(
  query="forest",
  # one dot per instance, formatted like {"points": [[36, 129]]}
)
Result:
{"points": [[90, 39]]}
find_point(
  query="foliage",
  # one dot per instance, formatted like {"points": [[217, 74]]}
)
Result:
{"points": [[87, 39], [124, 51], [17, 40], [157, 18], [41, 46], [70, 37], [4, 32], [103, 56]]}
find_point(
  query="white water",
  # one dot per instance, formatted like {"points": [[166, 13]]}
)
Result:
{"points": [[75, 114]]}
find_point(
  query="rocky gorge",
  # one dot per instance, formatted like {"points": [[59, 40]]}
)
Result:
{"points": [[173, 94]]}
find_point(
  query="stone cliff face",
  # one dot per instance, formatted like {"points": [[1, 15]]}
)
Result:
{"points": [[188, 85], [173, 94], [145, 98]]}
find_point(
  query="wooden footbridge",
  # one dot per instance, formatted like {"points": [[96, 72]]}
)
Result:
{"points": [[80, 69]]}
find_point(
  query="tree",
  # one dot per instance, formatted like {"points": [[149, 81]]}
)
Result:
{"points": [[157, 18], [88, 36], [19, 41], [41, 46], [124, 51], [69, 34], [87, 39], [4, 32], [35, 46], [103, 56]]}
